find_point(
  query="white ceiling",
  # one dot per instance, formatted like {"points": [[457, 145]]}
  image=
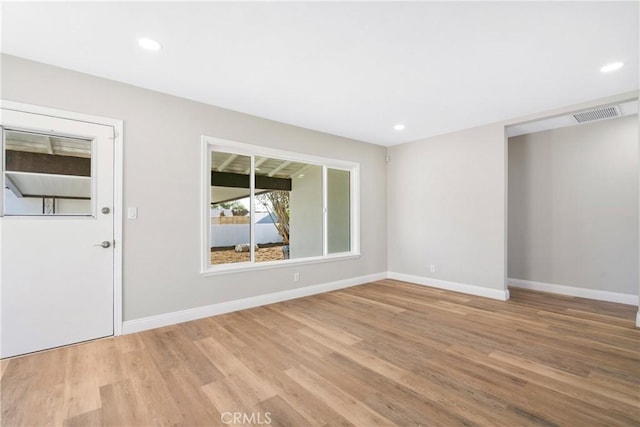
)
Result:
{"points": [[46, 144], [349, 68], [42, 184]]}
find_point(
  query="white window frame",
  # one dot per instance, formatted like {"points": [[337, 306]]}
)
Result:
{"points": [[211, 144]]}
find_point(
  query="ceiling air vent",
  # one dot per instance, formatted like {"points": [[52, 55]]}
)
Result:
{"points": [[599, 114]]}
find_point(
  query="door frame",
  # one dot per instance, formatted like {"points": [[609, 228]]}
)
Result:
{"points": [[118, 187]]}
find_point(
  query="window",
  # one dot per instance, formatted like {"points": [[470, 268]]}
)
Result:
{"points": [[46, 175], [266, 207]]}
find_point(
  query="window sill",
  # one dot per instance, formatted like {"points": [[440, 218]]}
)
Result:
{"points": [[244, 267]]}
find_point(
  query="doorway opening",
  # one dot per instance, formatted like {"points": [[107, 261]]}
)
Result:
{"points": [[572, 195]]}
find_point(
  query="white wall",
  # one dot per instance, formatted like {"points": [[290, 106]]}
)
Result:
{"points": [[162, 162], [267, 233], [305, 214], [573, 206], [21, 205], [229, 234], [33, 206], [73, 207], [338, 210], [233, 234]]}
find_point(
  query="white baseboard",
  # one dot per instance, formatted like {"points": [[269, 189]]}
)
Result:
{"points": [[499, 294], [575, 292], [175, 317], [638, 319]]}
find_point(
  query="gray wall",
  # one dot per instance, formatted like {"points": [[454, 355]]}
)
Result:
{"points": [[447, 202], [447, 207], [162, 157], [573, 206]]}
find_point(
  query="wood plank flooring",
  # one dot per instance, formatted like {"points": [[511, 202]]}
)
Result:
{"points": [[382, 354]]}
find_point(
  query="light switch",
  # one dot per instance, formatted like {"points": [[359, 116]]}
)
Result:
{"points": [[132, 213]]}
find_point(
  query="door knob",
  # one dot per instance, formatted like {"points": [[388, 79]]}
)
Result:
{"points": [[106, 244]]}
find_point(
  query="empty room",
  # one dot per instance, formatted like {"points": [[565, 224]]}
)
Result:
{"points": [[320, 213]]}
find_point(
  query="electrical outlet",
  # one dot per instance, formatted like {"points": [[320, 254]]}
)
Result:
{"points": [[432, 268], [296, 276]]}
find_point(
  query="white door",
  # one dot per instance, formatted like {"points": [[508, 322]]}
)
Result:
{"points": [[56, 232]]}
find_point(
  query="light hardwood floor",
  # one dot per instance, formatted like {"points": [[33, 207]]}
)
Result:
{"points": [[386, 353]]}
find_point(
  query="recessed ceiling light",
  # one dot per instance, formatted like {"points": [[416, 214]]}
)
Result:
{"points": [[612, 67], [149, 44], [399, 127]]}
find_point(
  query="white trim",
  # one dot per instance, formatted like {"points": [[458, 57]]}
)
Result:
{"points": [[62, 114], [638, 319], [574, 291], [265, 265], [354, 175], [205, 210], [118, 186], [160, 320], [235, 147], [325, 213], [499, 294], [506, 210], [118, 211], [252, 211]]}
